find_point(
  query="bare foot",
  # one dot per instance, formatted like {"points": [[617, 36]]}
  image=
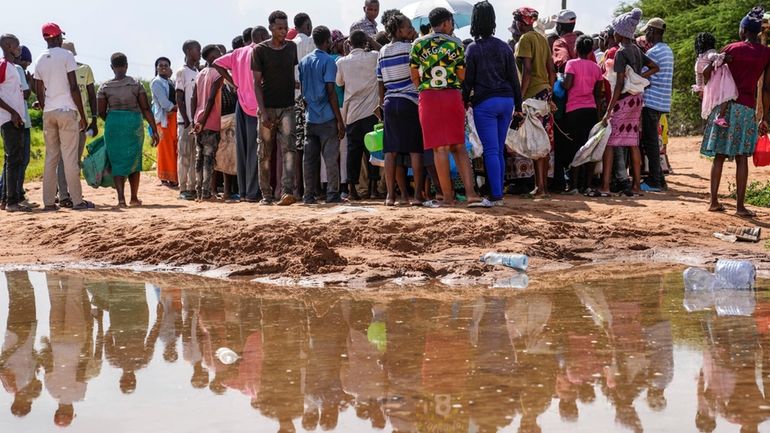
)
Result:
{"points": [[122, 204], [136, 202], [745, 213], [716, 207]]}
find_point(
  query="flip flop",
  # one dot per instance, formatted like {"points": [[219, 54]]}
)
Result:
{"points": [[720, 208], [594, 193], [431, 204], [632, 194]]}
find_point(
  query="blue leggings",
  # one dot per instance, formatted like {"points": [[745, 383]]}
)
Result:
{"points": [[493, 118]]}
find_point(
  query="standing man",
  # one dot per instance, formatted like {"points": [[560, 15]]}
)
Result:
{"points": [[184, 83], [325, 128], [11, 123], [564, 47], [85, 78], [273, 63], [58, 94], [368, 24], [305, 46], [357, 73], [657, 101], [236, 68], [437, 68]]}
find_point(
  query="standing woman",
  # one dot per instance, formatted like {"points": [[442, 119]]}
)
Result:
{"points": [[624, 111], [747, 60], [164, 110], [398, 99], [122, 103], [537, 77], [492, 86]]}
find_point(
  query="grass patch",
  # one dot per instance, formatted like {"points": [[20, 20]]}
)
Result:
{"points": [[757, 193], [37, 153]]}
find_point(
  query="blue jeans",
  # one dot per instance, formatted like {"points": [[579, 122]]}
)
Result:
{"points": [[493, 118]]}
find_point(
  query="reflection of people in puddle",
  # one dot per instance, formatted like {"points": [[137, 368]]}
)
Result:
{"points": [[494, 367], [530, 326], [128, 345], [728, 380], [67, 353], [18, 358], [326, 347], [191, 338], [280, 397], [445, 370], [362, 374], [170, 300]]}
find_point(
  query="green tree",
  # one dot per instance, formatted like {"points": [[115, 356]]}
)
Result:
{"points": [[684, 20]]}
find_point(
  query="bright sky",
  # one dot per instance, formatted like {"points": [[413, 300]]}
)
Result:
{"points": [[147, 29]]}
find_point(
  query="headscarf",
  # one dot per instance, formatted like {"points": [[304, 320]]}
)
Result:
{"points": [[26, 55], [625, 25], [527, 16], [337, 36], [752, 22]]}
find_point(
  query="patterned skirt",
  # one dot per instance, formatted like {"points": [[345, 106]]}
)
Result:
{"points": [[740, 138], [626, 122]]}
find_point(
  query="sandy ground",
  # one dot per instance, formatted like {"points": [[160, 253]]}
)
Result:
{"points": [[344, 244]]}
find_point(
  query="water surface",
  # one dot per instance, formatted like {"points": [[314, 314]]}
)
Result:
{"points": [[88, 352]]}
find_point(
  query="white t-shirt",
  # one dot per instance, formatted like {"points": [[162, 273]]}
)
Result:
{"points": [[185, 80], [52, 68], [305, 46], [11, 93]]}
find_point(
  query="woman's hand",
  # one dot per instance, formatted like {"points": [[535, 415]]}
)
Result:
{"points": [[606, 119], [762, 127], [155, 137]]}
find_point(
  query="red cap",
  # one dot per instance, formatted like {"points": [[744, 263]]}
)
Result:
{"points": [[51, 30]]}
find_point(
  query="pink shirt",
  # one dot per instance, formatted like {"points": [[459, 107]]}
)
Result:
{"points": [[238, 63], [586, 74], [203, 82]]}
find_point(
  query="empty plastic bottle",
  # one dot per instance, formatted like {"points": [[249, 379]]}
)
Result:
{"points": [[699, 286], [736, 274], [735, 302], [518, 281], [226, 355], [515, 261]]}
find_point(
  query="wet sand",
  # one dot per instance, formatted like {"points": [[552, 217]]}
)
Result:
{"points": [[347, 244]]}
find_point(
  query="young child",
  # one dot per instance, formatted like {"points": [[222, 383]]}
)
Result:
{"points": [[720, 89], [207, 109]]}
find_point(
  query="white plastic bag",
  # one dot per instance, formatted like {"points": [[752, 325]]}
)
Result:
{"points": [[593, 150], [531, 139], [477, 149], [634, 83]]}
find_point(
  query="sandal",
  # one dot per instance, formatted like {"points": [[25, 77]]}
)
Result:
{"points": [[595, 193], [66, 203], [84, 205], [431, 204], [18, 208], [51, 208], [720, 208], [629, 193]]}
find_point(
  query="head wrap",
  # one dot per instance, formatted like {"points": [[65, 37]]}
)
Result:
{"points": [[753, 20], [527, 16], [625, 25], [337, 36]]}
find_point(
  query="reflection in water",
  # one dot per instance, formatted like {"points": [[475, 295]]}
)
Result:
{"points": [[329, 362]]}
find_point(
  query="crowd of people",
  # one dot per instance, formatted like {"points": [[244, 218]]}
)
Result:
{"points": [[303, 99]]}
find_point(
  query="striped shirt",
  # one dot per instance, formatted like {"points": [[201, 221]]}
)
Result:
{"points": [[393, 71], [658, 95], [368, 27]]}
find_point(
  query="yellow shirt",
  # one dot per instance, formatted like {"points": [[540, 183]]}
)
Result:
{"points": [[533, 45], [85, 76]]}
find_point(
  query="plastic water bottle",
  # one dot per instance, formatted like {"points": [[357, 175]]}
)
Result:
{"points": [[515, 261], [736, 274], [735, 302], [699, 286], [518, 281], [226, 355]]}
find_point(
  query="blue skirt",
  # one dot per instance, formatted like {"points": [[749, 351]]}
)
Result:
{"points": [[740, 138]]}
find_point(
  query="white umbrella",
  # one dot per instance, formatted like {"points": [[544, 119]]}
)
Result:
{"points": [[418, 11]]}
